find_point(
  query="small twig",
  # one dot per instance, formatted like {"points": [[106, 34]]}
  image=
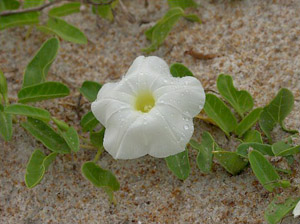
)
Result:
{"points": [[130, 16], [99, 152], [201, 56], [33, 9]]}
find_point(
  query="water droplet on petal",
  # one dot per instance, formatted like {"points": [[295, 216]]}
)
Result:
{"points": [[186, 127]]}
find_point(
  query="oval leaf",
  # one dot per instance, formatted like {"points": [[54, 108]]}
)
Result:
{"points": [[37, 166], [244, 148], [43, 91], [248, 122], [241, 101], [45, 134], [263, 170], [5, 125], [19, 19], [90, 89], [179, 164], [37, 69], [182, 4], [29, 111], [276, 111], [179, 70], [97, 138], [71, 138], [252, 136], [65, 9], [88, 122], [220, 113], [283, 149], [3, 87], [99, 177], [66, 31], [231, 161]]}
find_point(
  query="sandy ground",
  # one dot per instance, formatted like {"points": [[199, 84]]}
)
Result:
{"points": [[258, 42]]}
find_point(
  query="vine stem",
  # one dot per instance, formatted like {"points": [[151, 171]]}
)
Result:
{"points": [[99, 152], [41, 7], [87, 147]]}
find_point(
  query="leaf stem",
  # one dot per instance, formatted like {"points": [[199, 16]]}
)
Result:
{"points": [[99, 152], [87, 147]]}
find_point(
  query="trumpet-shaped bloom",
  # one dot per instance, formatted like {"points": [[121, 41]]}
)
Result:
{"points": [[296, 211], [148, 111]]}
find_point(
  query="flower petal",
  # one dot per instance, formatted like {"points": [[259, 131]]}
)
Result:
{"points": [[296, 211], [109, 101], [183, 94]]}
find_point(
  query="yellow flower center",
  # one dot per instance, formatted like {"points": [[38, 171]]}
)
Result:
{"points": [[144, 101]]}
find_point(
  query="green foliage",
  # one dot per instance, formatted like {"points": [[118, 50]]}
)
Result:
{"points": [[264, 171], [276, 111], [5, 124], [9, 5], [105, 11], [65, 9], [241, 101], [97, 138], [248, 122], [37, 69], [205, 149], [264, 149], [71, 137], [281, 148], [64, 30], [3, 87], [182, 4], [192, 18], [276, 210], [179, 164], [29, 111], [43, 91], [179, 70], [220, 113], [37, 166], [32, 3], [162, 28], [252, 136], [231, 161], [46, 135], [100, 178], [90, 89], [20, 19], [88, 122]]}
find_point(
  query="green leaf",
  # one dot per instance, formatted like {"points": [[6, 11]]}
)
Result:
{"points": [[3, 87], [5, 125], [220, 113], [205, 155], [90, 89], [277, 210], [263, 170], [100, 177], [182, 4], [9, 5], [97, 138], [244, 148], [248, 122], [192, 18], [20, 19], [276, 111], [283, 149], [37, 69], [65, 9], [37, 166], [231, 161], [179, 70], [29, 111], [241, 101], [252, 136], [63, 126], [179, 164], [45, 134], [88, 122], [32, 3], [104, 11], [71, 137], [162, 28], [66, 31], [43, 91]]}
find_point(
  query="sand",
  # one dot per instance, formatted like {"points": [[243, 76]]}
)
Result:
{"points": [[257, 42]]}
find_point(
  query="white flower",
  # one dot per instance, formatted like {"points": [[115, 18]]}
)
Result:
{"points": [[148, 111], [296, 210]]}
